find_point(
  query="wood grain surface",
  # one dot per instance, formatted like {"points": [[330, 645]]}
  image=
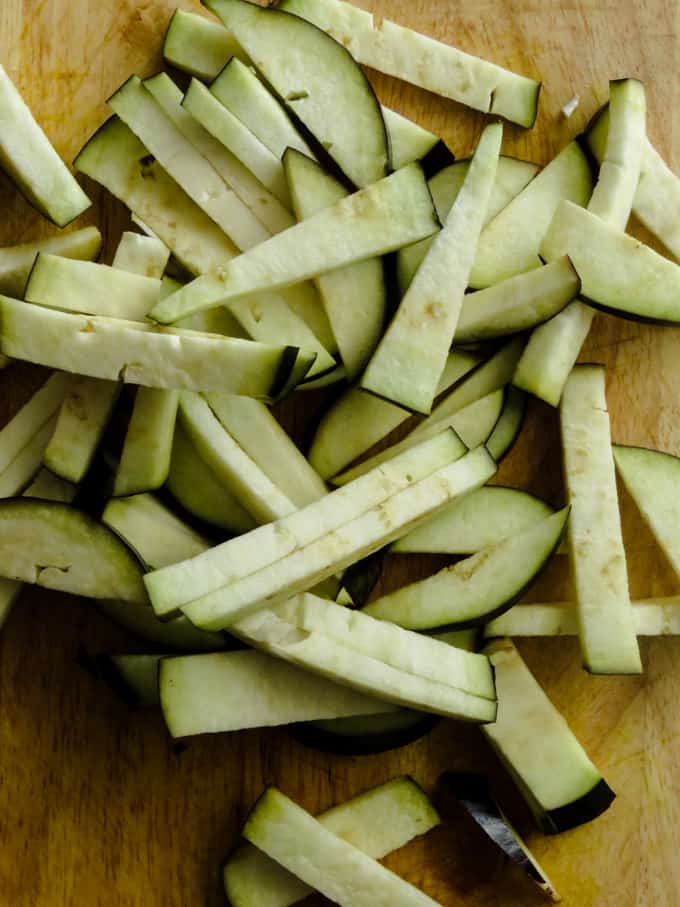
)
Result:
{"points": [[97, 806]]}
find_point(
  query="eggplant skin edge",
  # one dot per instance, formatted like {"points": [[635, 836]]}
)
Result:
{"points": [[362, 744], [585, 809]]}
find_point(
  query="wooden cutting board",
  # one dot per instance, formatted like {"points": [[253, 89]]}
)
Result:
{"points": [[97, 806]]}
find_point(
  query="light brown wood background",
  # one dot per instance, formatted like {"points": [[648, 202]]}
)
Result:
{"points": [[97, 807]]}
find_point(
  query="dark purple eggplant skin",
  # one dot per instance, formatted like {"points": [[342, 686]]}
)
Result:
{"points": [[369, 744], [585, 809], [473, 793]]}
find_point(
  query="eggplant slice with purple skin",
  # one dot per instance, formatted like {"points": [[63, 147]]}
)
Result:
{"points": [[473, 793], [366, 735]]}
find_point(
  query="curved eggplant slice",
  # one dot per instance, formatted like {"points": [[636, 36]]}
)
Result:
{"points": [[474, 794], [305, 68], [509, 425], [618, 273], [57, 547], [651, 478], [482, 518], [416, 58], [474, 590]]}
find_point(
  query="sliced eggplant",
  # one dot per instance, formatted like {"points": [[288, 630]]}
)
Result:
{"points": [[136, 353], [614, 192], [199, 46], [551, 353], [90, 288], [204, 694], [197, 489], [481, 519], [337, 549], [378, 821], [555, 348], [40, 409], [389, 214], [323, 655], [133, 677], [510, 243], [657, 196], [371, 734], [144, 255], [239, 473], [472, 792], [491, 375], [598, 559], [321, 859], [651, 478], [424, 656], [512, 175], [173, 587], [83, 416], [269, 317], [202, 48], [560, 784], [366, 735], [557, 619], [475, 590], [410, 142], [221, 123], [154, 533], [117, 159], [409, 360], [142, 113], [354, 297], [31, 162], [618, 273], [509, 424], [252, 425], [416, 58], [264, 205], [319, 82], [145, 459], [518, 303], [326, 380], [16, 262], [473, 424], [16, 476], [303, 299], [653, 617], [46, 487], [357, 421], [54, 546], [239, 90]]}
